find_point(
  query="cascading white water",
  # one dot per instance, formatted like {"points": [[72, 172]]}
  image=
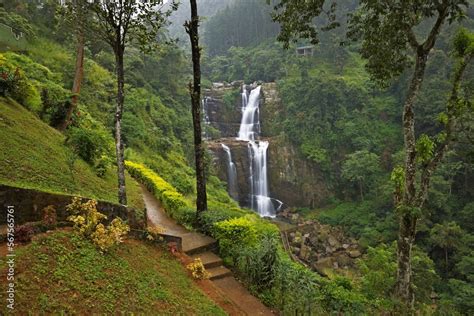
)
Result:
{"points": [[245, 97], [260, 194], [231, 174], [250, 125], [249, 130], [206, 120]]}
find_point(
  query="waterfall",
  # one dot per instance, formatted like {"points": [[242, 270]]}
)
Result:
{"points": [[260, 200], [231, 174], [206, 120], [249, 130], [245, 97], [250, 124]]}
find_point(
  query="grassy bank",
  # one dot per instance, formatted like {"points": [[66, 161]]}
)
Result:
{"points": [[62, 273], [33, 155]]}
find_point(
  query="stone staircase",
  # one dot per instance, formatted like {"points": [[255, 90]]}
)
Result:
{"points": [[202, 248], [196, 245]]}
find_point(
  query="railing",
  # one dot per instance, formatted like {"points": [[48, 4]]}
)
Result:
{"points": [[287, 247]]}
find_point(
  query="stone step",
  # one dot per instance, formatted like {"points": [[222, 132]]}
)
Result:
{"points": [[219, 272], [209, 259], [194, 243]]}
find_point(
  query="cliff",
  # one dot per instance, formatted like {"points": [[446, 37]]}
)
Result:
{"points": [[294, 180]]}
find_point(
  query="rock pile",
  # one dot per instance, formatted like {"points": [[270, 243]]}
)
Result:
{"points": [[323, 247]]}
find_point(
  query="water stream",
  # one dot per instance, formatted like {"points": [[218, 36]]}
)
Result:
{"points": [[231, 174], [249, 131]]}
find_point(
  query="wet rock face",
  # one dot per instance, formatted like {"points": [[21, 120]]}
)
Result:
{"points": [[224, 116], [240, 157], [292, 178]]}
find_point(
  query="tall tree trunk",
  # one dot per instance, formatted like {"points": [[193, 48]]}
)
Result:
{"points": [[192, 27], [408, 220], [76, 86], [122, 194]]}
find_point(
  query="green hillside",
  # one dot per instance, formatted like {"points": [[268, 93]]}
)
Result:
{"points": [[34, 156], [61, 273]]}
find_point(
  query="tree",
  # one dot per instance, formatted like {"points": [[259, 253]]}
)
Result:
{"points": [[120, 23], [360, 167], [378, 271], [446, 236], [192, 28], [392, 43], [17, 22], [76, 17]]}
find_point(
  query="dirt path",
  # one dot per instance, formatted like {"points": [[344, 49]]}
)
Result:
{"points": [[222, 287]]}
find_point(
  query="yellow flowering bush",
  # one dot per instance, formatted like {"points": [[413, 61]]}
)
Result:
{"points": [[85, 215], [174, 202], [197, 270], [87, 221], [153, 233], [106, 237]]}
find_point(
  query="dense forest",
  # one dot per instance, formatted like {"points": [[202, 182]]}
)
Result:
{"points": [[375, 120]]}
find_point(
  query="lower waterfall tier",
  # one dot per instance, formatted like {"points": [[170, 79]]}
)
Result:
{"points": [[291, 178]]}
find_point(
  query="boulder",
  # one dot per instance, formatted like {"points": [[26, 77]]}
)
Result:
{"points": [[354, 254], [217, 85], [343, 260], [333, 242], [329, 250], [323, 264], [305, 252]]}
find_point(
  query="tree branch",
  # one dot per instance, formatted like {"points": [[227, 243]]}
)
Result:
{"points": [[452, 113], [412, 39], [442, 14]]}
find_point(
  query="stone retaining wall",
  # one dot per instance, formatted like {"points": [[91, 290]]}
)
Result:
{"points": [[29, 203]]}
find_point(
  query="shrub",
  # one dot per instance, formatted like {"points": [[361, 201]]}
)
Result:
{"points": [[106, 237], [8, 80], [197, 269], [173, 201], [102, 165], [183, 183], [258, 264], [55, 103], [87, 144], [214, 215], [23, 233], [87, 222], [13, 83], [153, 233], [85, 215], [49, 216]]}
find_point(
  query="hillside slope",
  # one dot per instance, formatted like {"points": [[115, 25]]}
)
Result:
{"points": [[62, 273], [33, 155]]}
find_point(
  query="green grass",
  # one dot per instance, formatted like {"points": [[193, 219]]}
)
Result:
{"points": [[33, 155], [62, 273]]}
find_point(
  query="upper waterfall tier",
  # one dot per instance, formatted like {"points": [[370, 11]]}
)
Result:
{"points": [[250, 124]]}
